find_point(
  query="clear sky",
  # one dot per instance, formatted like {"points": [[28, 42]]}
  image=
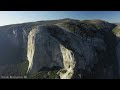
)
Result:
{"points": [[13, 17]]}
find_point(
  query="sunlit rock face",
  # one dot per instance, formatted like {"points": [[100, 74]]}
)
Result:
{"points": [[69, 63], [31, 48]]}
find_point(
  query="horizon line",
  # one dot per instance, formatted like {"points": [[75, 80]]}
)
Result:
{"points": [[53, 20]]}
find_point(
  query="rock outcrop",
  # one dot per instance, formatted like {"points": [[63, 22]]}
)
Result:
{"points": [[76, 49], [44, 50]]}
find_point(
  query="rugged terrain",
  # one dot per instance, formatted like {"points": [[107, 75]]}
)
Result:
{"points": [[61, 49]]}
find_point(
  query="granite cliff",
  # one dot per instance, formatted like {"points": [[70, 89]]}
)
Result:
{"points": [[60, 49]]}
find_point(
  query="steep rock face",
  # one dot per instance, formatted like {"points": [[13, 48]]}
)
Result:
{"points": [[44, 50], [10, 46], [76, 49], [69, 63], [118, 56], [13, 43], [50, 46], [116, 32], [96, 34]]}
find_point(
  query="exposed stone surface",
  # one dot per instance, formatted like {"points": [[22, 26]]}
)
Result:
{"points": [[76, 49], [69, 63], [44, 50]]}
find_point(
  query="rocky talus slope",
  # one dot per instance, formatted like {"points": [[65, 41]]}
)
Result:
{"points": [[61, 49]]}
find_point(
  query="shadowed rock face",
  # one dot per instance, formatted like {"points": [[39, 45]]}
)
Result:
{"points": [[116, 32], [80, 49], [10, 46]]}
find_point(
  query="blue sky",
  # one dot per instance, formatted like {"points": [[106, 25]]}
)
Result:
{"points": [[13, 17]]}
